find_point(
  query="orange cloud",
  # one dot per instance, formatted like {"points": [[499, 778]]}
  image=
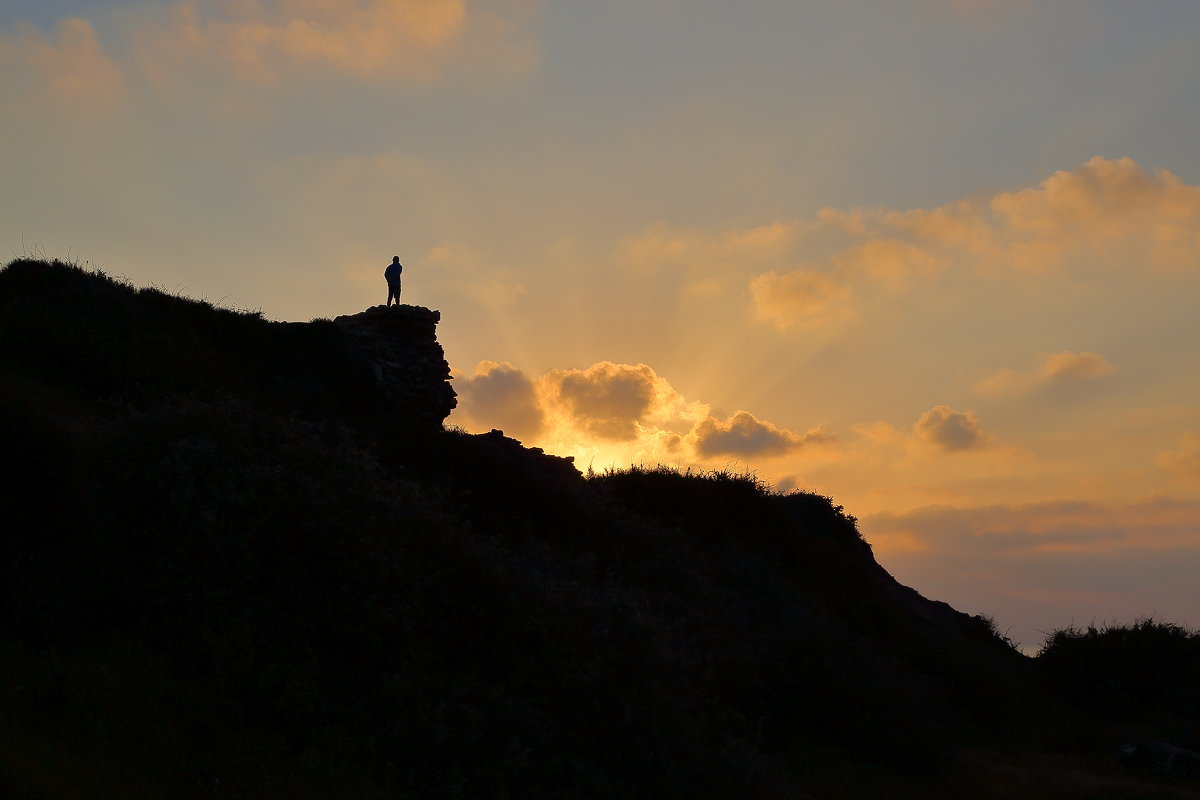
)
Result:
{"points": [[1112, 210], [743, 434], [1101, 197], [1004, 383], [1039, 566], [950, 430], [617, 414], [801, 299], [1066, 365], [72, 69], [1105, 214], [888, 262], [1056, 368], [263, 41], [606, 399], [499, 396], [273, 42], [1184, 462]]}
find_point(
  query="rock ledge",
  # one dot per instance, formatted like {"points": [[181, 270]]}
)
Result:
{"points": [[409, 363]]}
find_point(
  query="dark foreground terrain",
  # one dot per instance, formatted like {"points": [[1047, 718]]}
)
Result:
{"points": [[230, 568]]}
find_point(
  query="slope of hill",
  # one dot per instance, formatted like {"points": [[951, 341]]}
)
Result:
{"points": [[242, 559]]}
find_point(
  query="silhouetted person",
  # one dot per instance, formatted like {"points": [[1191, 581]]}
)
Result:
{"points": [[392, 276]]}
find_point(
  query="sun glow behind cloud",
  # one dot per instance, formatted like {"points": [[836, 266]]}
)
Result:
{"points": [[1092, 237], [662, 238]]}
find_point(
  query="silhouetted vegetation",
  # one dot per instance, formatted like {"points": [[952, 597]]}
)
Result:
{"points": [[227, 571], [1146, 668]]}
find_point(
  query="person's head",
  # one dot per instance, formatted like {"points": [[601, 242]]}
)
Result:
{"points": [[395, 259]]}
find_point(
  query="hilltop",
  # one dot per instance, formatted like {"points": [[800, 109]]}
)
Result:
{"points": [[243, 558]]}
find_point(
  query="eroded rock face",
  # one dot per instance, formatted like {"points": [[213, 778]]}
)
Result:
{"points": [[409, 363]]}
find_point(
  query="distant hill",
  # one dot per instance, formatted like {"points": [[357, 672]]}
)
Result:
{"points": [[243, 559]]}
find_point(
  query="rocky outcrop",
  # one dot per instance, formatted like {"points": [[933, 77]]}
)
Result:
{"points": [[409, 364]]}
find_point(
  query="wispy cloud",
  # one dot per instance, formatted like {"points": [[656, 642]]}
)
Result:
{"points": [[276, 44], [801, 299], [1184, 462], [66, 70], [1107, 214], [267, 42], [1063, 367], [1043, 565]]}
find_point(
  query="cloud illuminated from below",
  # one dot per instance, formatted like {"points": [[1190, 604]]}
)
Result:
{"points": [[619, 414]]}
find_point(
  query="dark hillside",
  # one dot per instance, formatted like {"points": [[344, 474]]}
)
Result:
{"points": [[238, 561], [97, 340]]}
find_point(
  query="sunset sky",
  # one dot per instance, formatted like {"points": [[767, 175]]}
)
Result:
{"points": [[938, 259]]}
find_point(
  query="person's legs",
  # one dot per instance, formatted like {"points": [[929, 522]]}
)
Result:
{"points": [[393, 291]]}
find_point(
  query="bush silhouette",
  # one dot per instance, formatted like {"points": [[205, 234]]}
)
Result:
{"points": [[1144, 668]]}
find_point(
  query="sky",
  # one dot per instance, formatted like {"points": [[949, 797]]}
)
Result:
{"points": [[936, 259]]}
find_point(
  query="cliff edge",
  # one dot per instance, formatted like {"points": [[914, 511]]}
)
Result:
{"points": [[407, 362]]}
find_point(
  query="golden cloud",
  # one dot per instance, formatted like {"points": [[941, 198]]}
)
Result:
{"points": [[1184, 462], [71, 69], [498, 395], [1066, 365], [1102, 197], [607, 400], [271, 42], [887, 262], [1006, 382], [620, 413], [1056, 368], [262, 42], [1105, 214], [950, 430], [743, 434], [801, 299]]}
